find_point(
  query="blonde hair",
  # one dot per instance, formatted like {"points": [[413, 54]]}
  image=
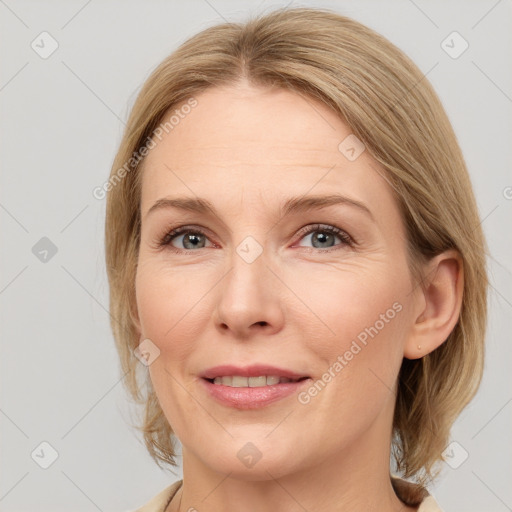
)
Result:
{"points": [[392, 108]]}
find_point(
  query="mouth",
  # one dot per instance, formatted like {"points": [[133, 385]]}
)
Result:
{"points": [[251, 387], [239, 381]]}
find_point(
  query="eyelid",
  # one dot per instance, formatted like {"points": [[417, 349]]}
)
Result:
{"points": [[170, 234], [328, 228], [347, 242]]}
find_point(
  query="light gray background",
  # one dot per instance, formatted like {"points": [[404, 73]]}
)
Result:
{"points": [[62, 119]]}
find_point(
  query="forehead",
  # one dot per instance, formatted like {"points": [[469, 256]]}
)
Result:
{"points": [[245, 118], [261, 143]]}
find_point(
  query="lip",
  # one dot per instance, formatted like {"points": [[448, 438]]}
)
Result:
{"points": [[252, 398], [254, 370], [247, 397]]}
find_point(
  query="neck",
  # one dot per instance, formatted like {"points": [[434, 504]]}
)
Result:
{"points": [[354, 479]]}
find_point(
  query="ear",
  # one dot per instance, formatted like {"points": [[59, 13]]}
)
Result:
{"points": [[440, 304]]}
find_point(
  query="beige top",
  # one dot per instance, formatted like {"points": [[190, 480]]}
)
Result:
{"points": [[410, 494]]}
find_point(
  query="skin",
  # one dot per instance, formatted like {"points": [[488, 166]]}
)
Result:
{"points": [[299, 305]]}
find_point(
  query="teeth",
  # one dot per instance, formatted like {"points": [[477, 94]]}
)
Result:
{"points": [[272, 380], [236, 381], [256, 382]]}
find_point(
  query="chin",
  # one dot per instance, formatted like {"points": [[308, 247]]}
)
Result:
{"points": [[258, 461]]}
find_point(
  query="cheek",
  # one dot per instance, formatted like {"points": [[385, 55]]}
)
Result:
{"points": [[357, 321], [359, 347], [171, 316], [170, 308], [349, 304]]}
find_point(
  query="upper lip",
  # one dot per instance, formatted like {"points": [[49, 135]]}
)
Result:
{"points": [[255, 370]]}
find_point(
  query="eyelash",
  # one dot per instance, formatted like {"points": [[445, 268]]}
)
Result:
{"points": [[346, 239]]}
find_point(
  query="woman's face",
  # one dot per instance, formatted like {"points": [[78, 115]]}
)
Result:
{"points": [[271, 275]]}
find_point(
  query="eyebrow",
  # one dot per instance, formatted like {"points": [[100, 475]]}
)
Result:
{"points": [[292, 205]]}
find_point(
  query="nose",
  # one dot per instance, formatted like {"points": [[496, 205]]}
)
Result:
{"points": [[250, 298]]}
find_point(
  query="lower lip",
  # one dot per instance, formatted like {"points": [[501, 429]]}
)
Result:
{"points": [[252, 398]]}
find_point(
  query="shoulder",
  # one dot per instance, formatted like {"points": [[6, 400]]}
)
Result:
{"points": [[159, 502], [414, 495], [429, 504]]}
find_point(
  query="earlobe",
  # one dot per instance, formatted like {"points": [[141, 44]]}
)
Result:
{"points": [[442, 293]]}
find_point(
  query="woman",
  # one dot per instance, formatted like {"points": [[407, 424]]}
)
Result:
{"points": [[295, 257]]}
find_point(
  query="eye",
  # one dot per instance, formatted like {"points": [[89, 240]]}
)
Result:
{"points": [[320, 236], [323, 236], [185, 238]]}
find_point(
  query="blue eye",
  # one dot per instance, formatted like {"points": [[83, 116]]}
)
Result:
{"points": [[321, 236], [324, 236], [190, 239]]}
